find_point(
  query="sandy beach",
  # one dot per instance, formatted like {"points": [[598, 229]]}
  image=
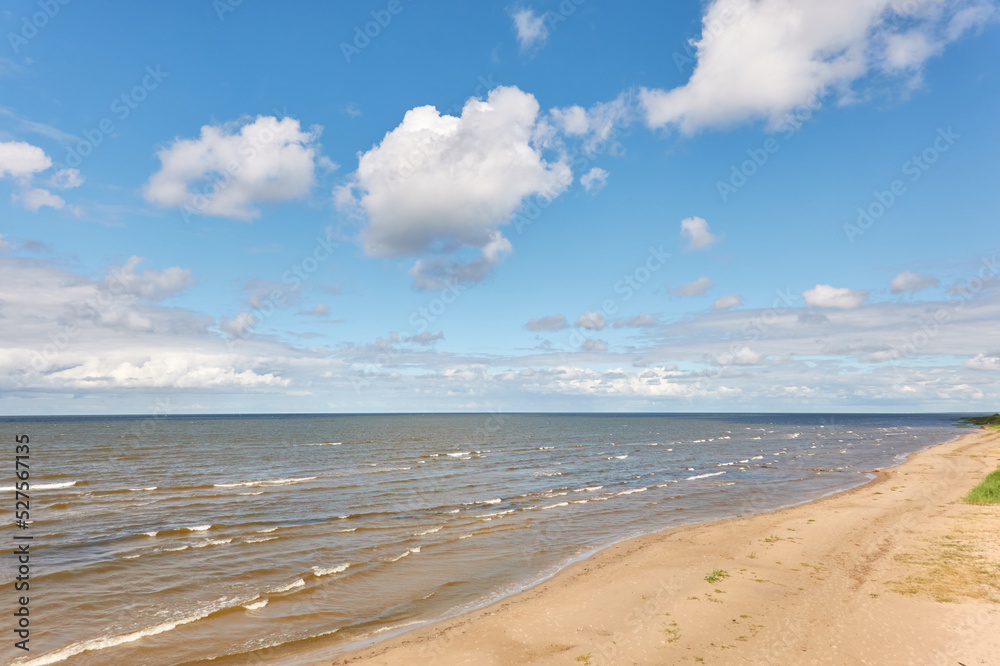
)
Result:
{"points": [[897, 571]]}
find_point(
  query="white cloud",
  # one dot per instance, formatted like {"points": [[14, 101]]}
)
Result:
{"points": [[319, 310], [36, 197], [594, 346], [530, 28], [763, 59], [594, 179], [726, 302], [983, 362], [555, 322], [641, 320], [825, 296], [910, 281], [426, 338], [593, 321], [4, 245], [741, 355], [19, 159], [695, 230], [694, 288], [437, 184], [150, 285], [232, 167], [572, 120], [65, 179]]}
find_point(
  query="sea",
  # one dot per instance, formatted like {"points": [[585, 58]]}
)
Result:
{"points": [[260, 539]]}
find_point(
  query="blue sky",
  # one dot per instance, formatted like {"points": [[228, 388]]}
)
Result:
{"points": [[740, 205]]}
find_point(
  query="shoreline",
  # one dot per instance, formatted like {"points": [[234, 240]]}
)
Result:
{"points": [[533, 625]]}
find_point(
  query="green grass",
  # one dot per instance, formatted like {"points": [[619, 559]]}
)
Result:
{"points": [[987, 492], [993, 421], [716, 575]]}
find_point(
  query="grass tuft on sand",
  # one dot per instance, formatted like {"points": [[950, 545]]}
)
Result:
{"points": [[987, 492]]}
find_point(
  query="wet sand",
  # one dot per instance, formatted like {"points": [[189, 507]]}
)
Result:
{"points": [[897, 571]]}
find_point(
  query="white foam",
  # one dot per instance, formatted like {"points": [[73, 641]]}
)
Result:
{"points": [[430, 531], [259, 539], [135, 490], [151, 534], [348, 530], [411, 550], [269, 529], [324, 444], [456, 455], [703, 476], [333, 570], [290, 586], [553, 506], [633, 491], [621, 457], [198, 528], [256, 606], [757, 458], [112, 641], [587, 490], [492, 501], [174, 550], [545, 448], [43, 486], [266, 482]]}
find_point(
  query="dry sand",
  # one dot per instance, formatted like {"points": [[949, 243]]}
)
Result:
{"points": [[898, 571]]}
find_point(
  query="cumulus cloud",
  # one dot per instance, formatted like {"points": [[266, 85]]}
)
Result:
{"points": [[763, 59], [694, 288], [555, 322], [913, 282], [596, 124], [530, 29], [727, 302], [439, 184], [594, 179], [695, 230], [33, 198], [591, 345], [825, 296], [149, 285], [593, 321], [65, 179], [19, 159], [230, 168], [984, 362], [641, 320], [741, 355]]}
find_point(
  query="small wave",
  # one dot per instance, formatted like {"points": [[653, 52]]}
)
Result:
{"points": [[430, 531], [382, 630], [545, 448], [350, 529], [290, 586], [198, 528], [632, 492], [333, 570], [151, 534], [411, 550], [553, 506], [265, 482], [259, 539], [324, 444], [456, 455], [267, 531], [43, 486], [256, 605], [587, 490], [703, 476], [112, 641]]}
